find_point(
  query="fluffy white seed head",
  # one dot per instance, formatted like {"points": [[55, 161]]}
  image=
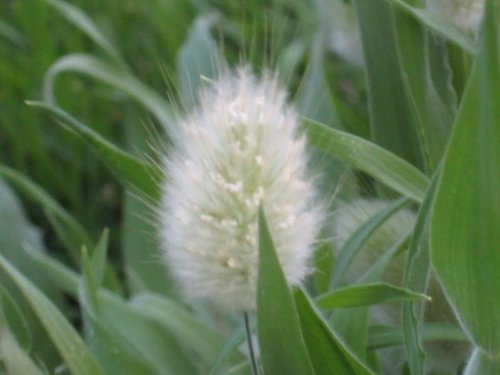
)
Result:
{"points": [[465, 14], [239, 150]]}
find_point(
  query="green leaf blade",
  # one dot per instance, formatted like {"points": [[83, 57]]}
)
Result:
{"points": [[282, 345], [328, 354], [71, 347], [369, 158], [130, 170], [464, 229], [366, 295]]}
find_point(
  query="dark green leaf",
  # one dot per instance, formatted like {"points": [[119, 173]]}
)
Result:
{"points": [[392, 122], [327, 352], [282, 346], [15, 320]]}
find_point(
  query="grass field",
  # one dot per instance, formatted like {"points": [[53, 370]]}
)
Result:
{"points": [[393, 204]]}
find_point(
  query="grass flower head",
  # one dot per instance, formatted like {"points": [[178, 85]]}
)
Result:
{"points": [[238, 151]]}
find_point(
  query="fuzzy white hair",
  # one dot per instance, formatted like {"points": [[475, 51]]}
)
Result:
{"points": [[239, 150]]}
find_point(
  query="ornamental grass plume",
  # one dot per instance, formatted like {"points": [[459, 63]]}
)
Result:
{"points": [[240, 149], [464, 14]]}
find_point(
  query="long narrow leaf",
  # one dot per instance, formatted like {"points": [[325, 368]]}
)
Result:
{"points": [[386, 336], [354, 244], [465, 235], [136, 173], [328, 354], [415, 278], [98, 69], [391, 119], [366, 295], [370, 158], [79, 19], [440, 25], [77, 234], [282, 346], [71, 347]]}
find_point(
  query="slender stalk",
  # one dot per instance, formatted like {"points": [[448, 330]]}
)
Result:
{"points": [[253, 359]]}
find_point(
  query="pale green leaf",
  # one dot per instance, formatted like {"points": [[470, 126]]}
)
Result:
{"points": [[440, 25], [198, 59], [381, 164], [366, 295], [482, 364], [386, 336], [70, 345], [465, 235], [355, 243], [76, 235]]}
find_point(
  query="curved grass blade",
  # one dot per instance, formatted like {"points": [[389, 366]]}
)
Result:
{"points": [[232, 344], [282, 346], [70, 345], [482, 364], [366, 295], [116, 354], [15, 359], [164, 353], [76, 234], [189, 331], [135, 173], [83, 22], [355, 243], [381, 164], [98, 69], [153, 345], [440, 25], [327, 352], [13, 35]]}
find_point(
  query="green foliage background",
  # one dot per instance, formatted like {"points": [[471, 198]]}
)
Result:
{"points": [[89, 96]]}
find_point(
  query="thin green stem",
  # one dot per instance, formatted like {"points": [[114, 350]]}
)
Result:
{"points": [[248, 331]]}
